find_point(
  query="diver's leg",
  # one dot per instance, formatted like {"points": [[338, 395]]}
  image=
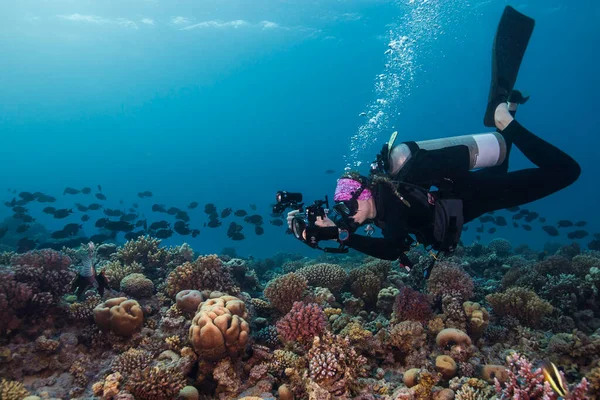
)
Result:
{"points": [[555, 171]]}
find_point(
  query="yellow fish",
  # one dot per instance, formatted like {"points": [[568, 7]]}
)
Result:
{"points": [[554, 378]]}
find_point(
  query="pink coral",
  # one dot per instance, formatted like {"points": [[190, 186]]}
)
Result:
{"points": [[411, 305], [14, 297], [524, 382], [302, 323], [46, 271], [449, 279]]}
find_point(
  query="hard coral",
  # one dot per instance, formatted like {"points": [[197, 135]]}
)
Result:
{"points": [[145, 251], [119, 315], [411, 305], [302, 323], [524, 382], [137, 286], [219, 329], [284, 290], [45, 271], [14, 299], [115, 271], [331, 276], [155, 383], [520, 303], [205, 273], [11, 390], [131, 361], [500, 246], [189, 300], [448, 279], [477, 317]]}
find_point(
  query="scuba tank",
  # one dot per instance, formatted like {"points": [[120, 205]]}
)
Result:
{"points": [[485, 150]]}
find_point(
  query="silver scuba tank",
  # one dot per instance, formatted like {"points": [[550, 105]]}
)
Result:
{"points": [[485, 150]]}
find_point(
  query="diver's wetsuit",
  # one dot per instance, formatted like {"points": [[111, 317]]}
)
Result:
{"points": [[481, 191]]}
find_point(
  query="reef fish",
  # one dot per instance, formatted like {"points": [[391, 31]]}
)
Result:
{"points": [[144, 194], [226, 212], [578, 234], [100, 196], [87, 275], [62, 213], [70, 190], [550, 230], [565, 223], [193, 205]]}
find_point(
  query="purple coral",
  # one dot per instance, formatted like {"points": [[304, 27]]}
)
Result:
{"points": [[411, 305], [46, 271], [449, 279], [302, 323], [14, 297]]}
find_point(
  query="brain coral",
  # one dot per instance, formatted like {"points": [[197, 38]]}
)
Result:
{"points": [[520, 303], [302, 323], [120, 315], [137, 285], [284, 290], [448, 279], [219, 329], [205, 273], [331, 276]]}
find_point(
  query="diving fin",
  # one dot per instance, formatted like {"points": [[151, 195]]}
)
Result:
{"points": [[510, 43]]}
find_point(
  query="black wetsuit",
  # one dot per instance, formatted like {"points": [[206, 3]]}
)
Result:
{"points": [[481, 191]]}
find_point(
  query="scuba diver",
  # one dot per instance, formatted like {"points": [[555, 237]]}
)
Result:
{"points": [[429, 189]]}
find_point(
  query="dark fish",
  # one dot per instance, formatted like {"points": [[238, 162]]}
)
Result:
{"points": [[44, 198], [21, 202], [120, 226], [3, 232], [159, 225], [193, 205], [565, 223], [99, 188], [226, 212], [330, 171], [62, 213], [27, 196], [135, 205], [173, 210], [515, 225], [59, 235], [532, 216], [195, 232], [210, 209], [517, 216], [81, 207], [70, 190], [527, 227], [94, 206], [578, 234], [19, 209], [492, 230], [513, 209], [234, 231], [182, 215], [25, 244], [72, 229], [164, 234], [259, 230], [550, 230], [100, 196], [101, 223], [128, 217], [253, 207], [542, 220], [101, 238], [240, 213], [182, 228], [49, 210], [486, 218], [276, 222], [131, 210], [141, 222], [22, 228], [500, 221], [158, 208], [524, 211], [86, 190], [113, 213], [85, 217], [214, 222], [147, 193], [133, 235], [580, 224], [10, 204], [24, 217], [479, 229]]}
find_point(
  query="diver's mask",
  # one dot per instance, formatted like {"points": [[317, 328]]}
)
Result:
{"points": [[347, 194]]}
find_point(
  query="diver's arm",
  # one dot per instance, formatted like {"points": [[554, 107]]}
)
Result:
{"points": [[430, 166], [382, 248]]}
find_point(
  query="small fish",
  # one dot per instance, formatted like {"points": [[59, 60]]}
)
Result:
{"points": [[44, 198], [119, 226], [193, 205], [554, 378], [500, 221], [144, 194], [141, 222], [159, 225], [72, 229], [86, 190], [27, 196], [62, 213], [158, 208], [135, 205], [492, 230], [195, 232], [133, 235], [527, 227], [87, 276], [578, 234], [210, 209], [101, 223], [101, 238], [85, 217], [478, 237], [330, 171], [214, 223], [550, 230], [259, 230], [22, 228], [113, 213], [253, 207], [164, 233], [240, 213], [25, 244], [3, 232], [24, 217], [513, 209], [580, 224], [517, 217], [49, 210], [182, 228], [59, 235], [100, 196], [99, 188], [226, 212], [173, 210], [128, 217], [182, 215], [276, 222], [486, 218], [565, 223], [464, 228], [70, 190], [19, 209], [94, 206], [81, 207], [532, 216]]}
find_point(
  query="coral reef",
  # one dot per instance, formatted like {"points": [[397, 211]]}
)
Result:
{"points": [[137, 286], [156, 383], [411, 305], [284, 290], [302, 323], [205, 273], [120, 315], [520, 303], [331, 276]]}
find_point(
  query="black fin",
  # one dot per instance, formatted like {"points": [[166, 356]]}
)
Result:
{"points": [[510, 43], [102, 283]]}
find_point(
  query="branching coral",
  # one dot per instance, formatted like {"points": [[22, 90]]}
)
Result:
{"points": [[115, 271], [131, 361], [205, 273], [155, 383], [500, 246], [409, 339], [45, 271], [331, 276], [302, 323], [10, 390], [144, 250], [367, 280], [449, 279], [520, 303], [14, 299], [284, 290], [411, 305], [82, 311], [524, 382]]}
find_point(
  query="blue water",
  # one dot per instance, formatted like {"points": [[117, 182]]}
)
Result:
{"points": [[229, 101]]}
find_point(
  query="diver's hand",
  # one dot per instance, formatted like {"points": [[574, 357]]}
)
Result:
{"points": [[290, 217], [324, 222]]}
